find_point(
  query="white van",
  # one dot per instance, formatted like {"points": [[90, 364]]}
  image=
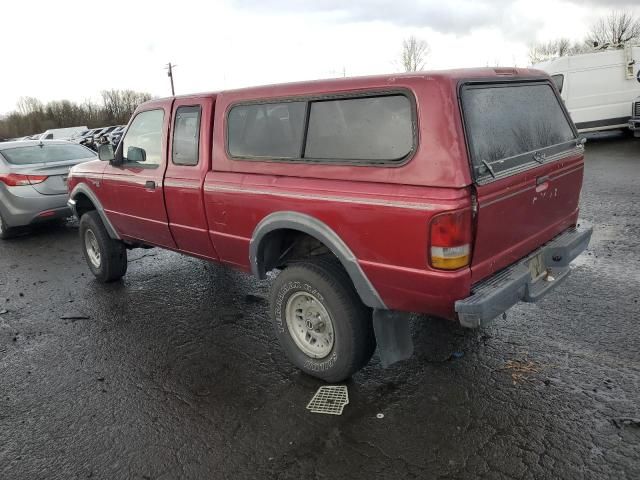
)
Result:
{"points": [[599, 87], [61, 133]]}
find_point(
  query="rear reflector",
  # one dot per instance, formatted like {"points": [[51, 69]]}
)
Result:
{"points": [[17, 180], [451, 237]]}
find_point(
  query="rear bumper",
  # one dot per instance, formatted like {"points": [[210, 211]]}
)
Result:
{"points": [[495, 295], [21, 206]]}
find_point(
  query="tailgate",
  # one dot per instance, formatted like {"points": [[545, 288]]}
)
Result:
{"points": [[528, 165], [517, 215]]}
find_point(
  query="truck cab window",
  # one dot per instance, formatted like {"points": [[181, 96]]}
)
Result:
{"points": [[142, 145], [186, 136]]}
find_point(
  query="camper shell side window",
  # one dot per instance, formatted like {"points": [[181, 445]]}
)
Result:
{"points": [[363, 128]]}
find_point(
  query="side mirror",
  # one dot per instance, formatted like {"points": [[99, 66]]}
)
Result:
{"points": [[105, 153], [136, 154]]}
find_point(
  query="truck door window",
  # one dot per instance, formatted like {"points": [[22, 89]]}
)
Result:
{"points": [[508, 125], [186, 136], [142, 145]]}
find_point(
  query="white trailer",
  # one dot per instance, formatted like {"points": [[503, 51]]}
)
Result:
{"points": [[598, 88]]}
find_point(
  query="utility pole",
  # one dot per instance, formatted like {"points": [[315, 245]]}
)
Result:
{"points": [[170, 75]]}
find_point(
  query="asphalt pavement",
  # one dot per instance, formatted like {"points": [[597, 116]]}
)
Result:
{"points": [[175, 371]]}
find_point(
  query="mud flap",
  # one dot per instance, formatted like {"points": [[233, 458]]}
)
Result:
{"points": [[393, 335]]}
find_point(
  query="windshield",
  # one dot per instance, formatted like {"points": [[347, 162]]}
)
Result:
{"points": [[46, 154], [508, 124]]}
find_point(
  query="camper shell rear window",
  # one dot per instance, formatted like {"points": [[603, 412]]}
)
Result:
{"points": [[513, 126]]}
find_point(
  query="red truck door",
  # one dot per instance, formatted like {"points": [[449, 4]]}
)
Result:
{"points": [[188, 161], [135, 186]]}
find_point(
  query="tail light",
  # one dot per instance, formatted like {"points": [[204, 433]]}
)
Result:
{"points": [[17, 180], [450, 240]]}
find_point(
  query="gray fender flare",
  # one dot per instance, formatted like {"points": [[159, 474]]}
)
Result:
{"points": [[323, 233], [82, 188]]}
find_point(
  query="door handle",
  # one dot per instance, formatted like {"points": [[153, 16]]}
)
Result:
{"points": [[150, 184], [541, 180]]}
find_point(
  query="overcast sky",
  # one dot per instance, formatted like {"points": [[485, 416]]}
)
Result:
{"points": [[73, 49]]}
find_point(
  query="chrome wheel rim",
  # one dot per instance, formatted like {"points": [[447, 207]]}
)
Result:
{"points": [[92, 248], [309, 325]]}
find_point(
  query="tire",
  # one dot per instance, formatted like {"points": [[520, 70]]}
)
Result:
{"points": [[6, 232], [106, 257], [303, 297]]}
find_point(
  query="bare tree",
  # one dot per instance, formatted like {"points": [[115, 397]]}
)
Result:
{"points": [[561, 47], [27, 105], [33, 116], [414, 54], [616, 29], [120, 104]]}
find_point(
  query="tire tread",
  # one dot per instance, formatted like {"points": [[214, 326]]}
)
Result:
{"points": [[114, 254], [329, 269]]}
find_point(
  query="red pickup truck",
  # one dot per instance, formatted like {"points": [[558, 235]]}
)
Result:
{"points": [[454, 194]]}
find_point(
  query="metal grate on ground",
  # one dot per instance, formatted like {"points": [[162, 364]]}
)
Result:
{"points": [[329, 399]]}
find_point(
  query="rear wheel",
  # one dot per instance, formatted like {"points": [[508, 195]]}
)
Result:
{"points": [[324, 328], [106, 257], [5, 231]]}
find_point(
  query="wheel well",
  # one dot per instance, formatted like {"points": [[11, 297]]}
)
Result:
{"points": [[285, 236], [283, 246], [83, 204]]}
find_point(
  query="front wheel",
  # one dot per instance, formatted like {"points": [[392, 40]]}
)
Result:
{"points": [[320, 321], [106, 257]]}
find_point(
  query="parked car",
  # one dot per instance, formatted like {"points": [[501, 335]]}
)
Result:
{"points": [[453, 194], [101, 137], [597, 87], [33, 176], [61, 133], [116, 134], [88, 138], [76, 137], [634, 121]]}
